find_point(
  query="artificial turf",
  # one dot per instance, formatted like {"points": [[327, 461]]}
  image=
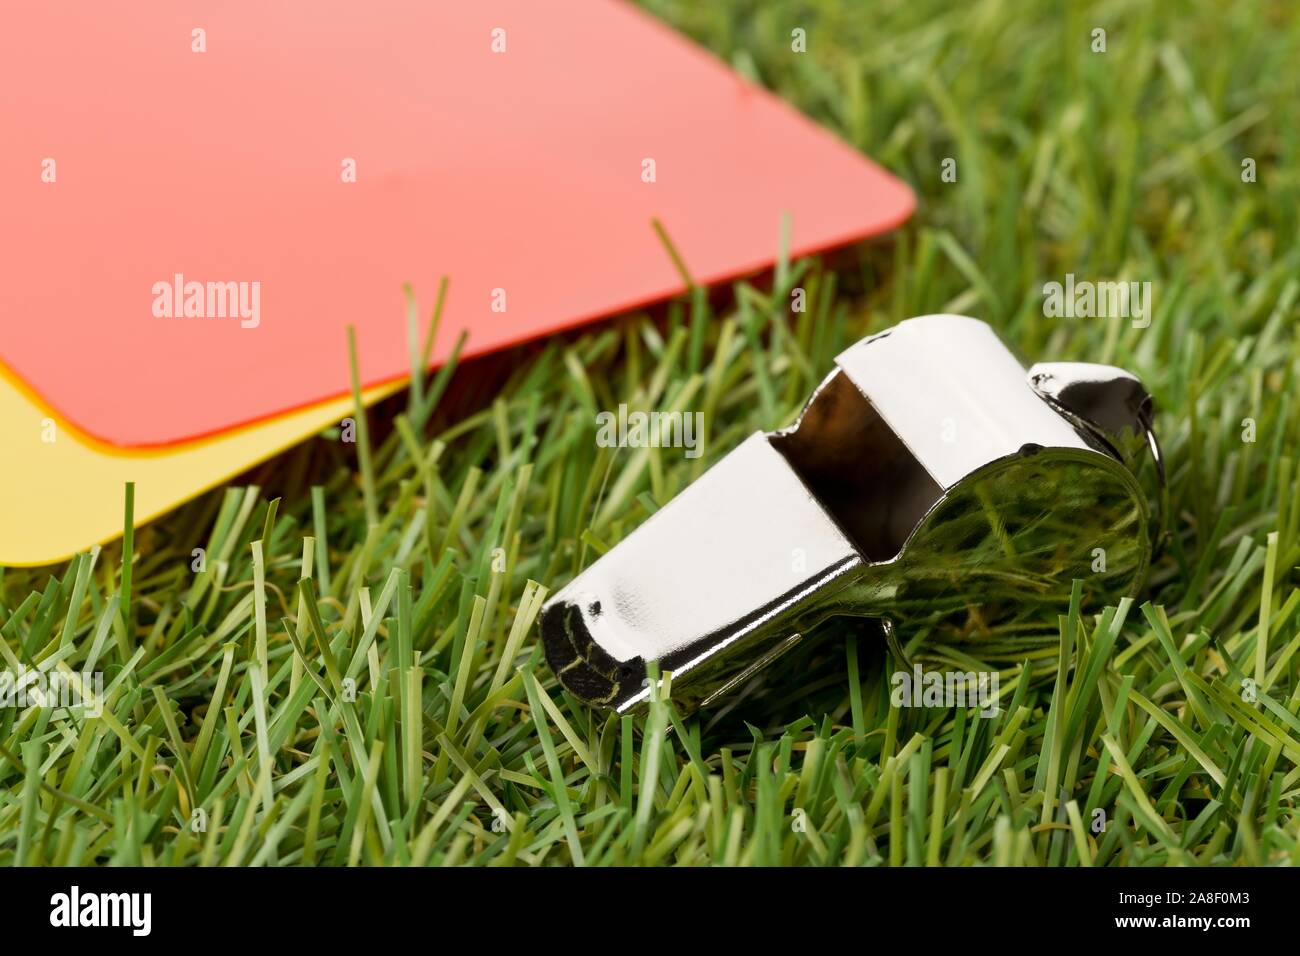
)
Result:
{"points": [[354, 676]]}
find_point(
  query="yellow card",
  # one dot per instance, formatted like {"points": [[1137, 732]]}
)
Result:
{"points": [[62, 491]]}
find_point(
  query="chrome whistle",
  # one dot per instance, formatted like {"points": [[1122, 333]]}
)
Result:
{"points": [[927, 476]]}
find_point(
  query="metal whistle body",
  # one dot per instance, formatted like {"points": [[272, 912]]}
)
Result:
{"points": [[926, 476]]}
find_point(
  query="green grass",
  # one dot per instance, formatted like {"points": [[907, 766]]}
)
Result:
{"points": [[230, 689]]}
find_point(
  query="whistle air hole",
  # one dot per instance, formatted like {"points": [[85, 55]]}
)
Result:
{"points": [[858, 469]]}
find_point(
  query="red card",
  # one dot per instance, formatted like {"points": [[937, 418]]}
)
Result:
{"points": [[520, 148]]}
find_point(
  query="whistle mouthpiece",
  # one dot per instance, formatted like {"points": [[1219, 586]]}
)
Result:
{"points": [[927, 474]]}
